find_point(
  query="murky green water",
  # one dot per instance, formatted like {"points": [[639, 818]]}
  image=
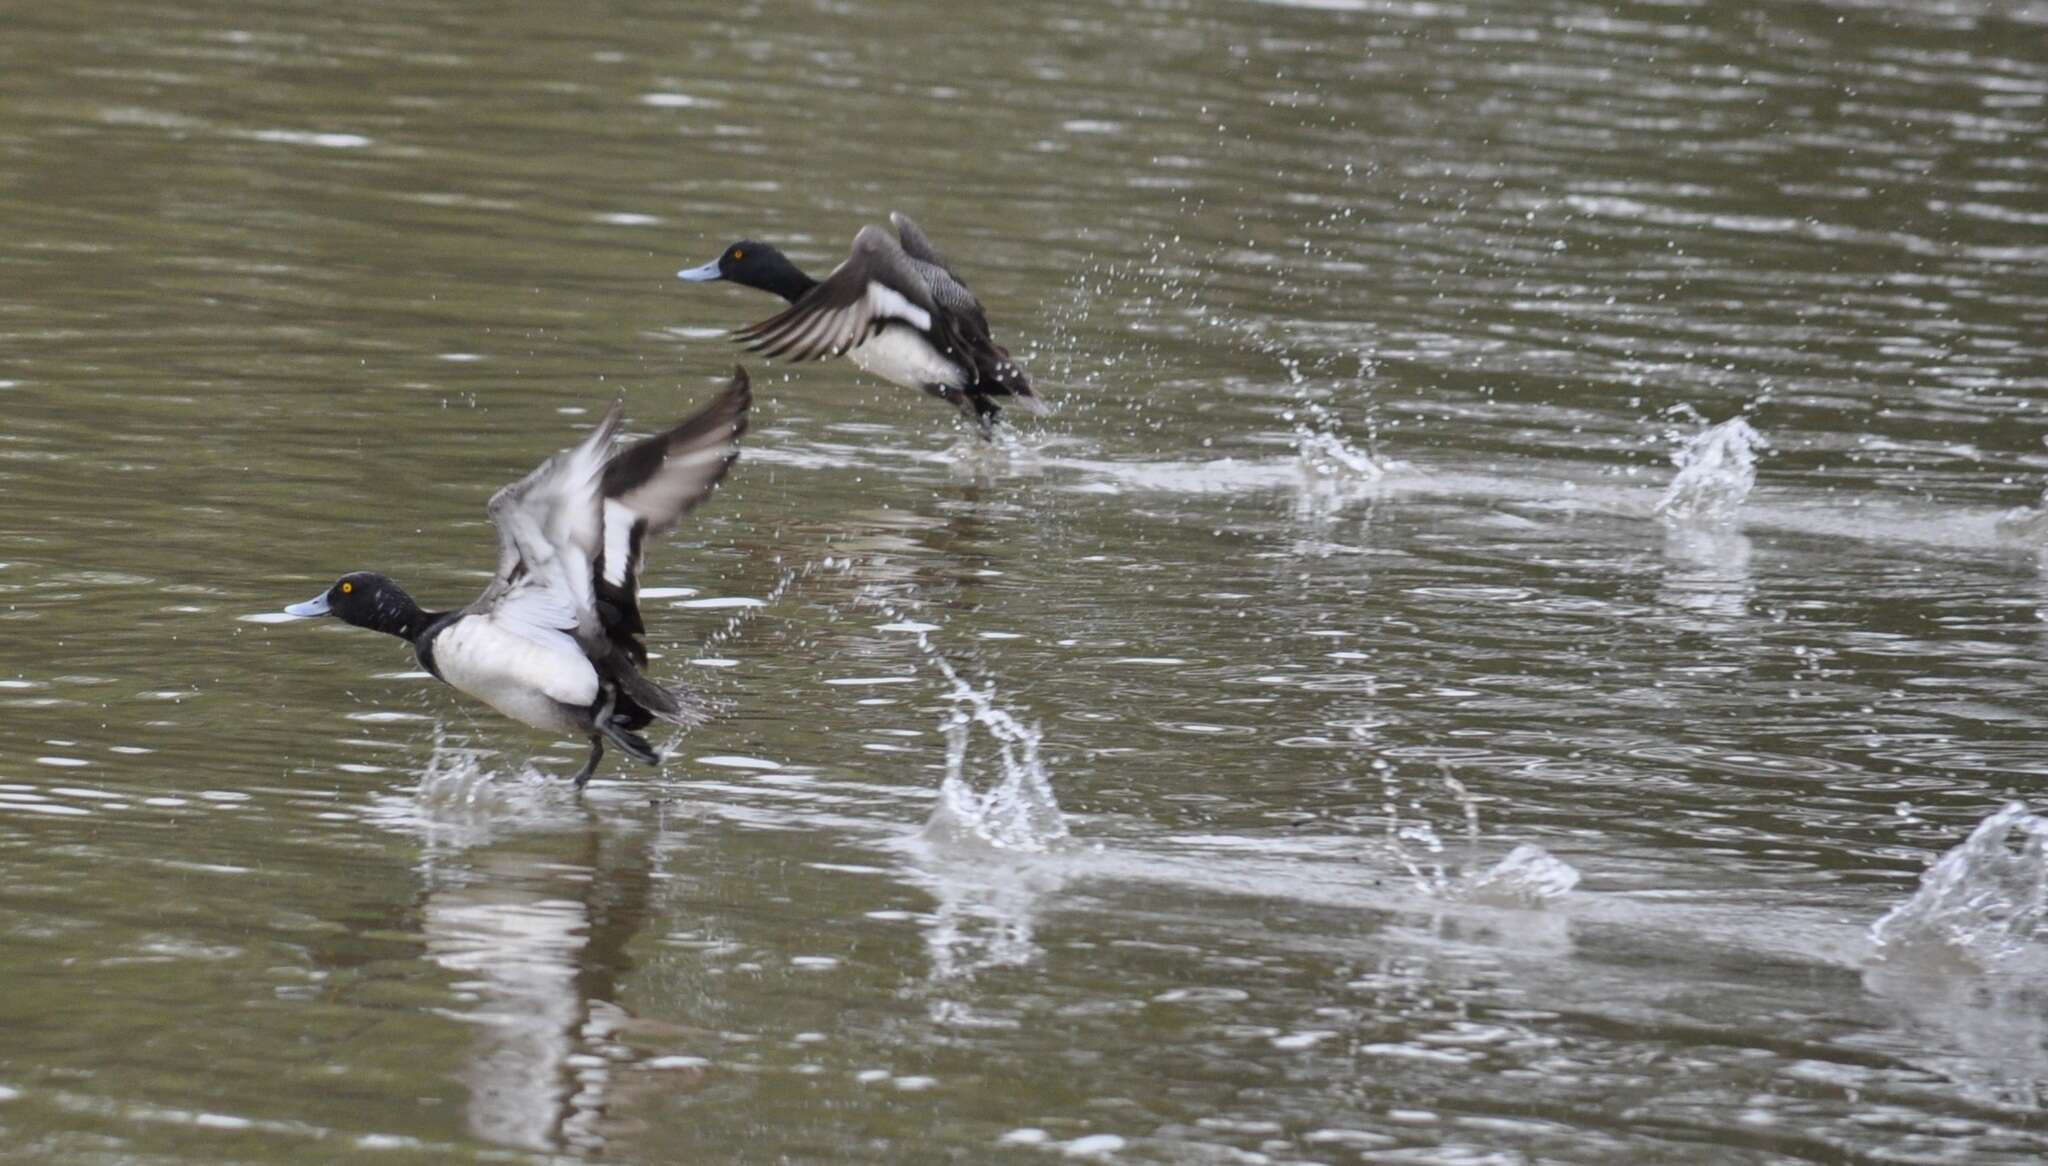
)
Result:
{"points": [[290, 289]]}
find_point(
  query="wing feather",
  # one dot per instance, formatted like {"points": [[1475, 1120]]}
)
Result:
{"points": [[969, 334], [878, 282], [916, 243], [648, 488], [550, 531], [661, 478]]}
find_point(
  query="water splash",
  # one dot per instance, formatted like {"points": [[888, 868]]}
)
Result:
{"points": [[1332, 470], [1427, 868], [1007, 451], [1016, 812], [1326, 461], [736, 623], [1716, 472], [1982, 903], [988, 851], [710, 652], [1529, 876], [462, 800]]}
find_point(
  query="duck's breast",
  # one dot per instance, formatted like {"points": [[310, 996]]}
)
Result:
{"points": [[547, 683], [900, 354]]}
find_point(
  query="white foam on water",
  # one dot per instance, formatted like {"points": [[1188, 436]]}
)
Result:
{"points": [[737, 761], [1982, 904], [326, 141], [670, 100], [1093, 1146]]}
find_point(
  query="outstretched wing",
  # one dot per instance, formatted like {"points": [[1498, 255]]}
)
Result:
{"points": [[648, 488], [550, 531], [877, 283]]}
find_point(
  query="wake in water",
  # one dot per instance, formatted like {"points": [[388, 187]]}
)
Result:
{"points": [[1983, 904], [2026, 525]]}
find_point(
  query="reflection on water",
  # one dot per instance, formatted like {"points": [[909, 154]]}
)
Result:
{"points": [[1350, 600], [518, 957], [1708, 575], [535, 941], [1985, 1037]]}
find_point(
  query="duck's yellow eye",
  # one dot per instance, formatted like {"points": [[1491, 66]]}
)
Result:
{"points": [[348, 589], [738, 254]]}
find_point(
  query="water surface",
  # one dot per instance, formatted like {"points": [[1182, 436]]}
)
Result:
{"points": [[1350, 562]]}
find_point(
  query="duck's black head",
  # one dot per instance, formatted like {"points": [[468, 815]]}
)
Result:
{"points": [[368, 600], [755, 264]]}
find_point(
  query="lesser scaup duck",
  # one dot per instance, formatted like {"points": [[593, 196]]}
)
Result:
{"points": [[554, 640], [895, 308]]}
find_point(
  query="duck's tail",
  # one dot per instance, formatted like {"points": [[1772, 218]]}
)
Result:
{"points": [[1003, 377], [642, 701]]}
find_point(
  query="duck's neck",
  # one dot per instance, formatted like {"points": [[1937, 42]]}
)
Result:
{"points": [[782, 277], [399, 614]]}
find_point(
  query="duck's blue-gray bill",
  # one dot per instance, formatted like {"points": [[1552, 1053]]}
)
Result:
{"points": [[704, 274], [317, 605]]}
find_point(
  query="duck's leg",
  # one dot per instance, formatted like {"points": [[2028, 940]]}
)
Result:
{"points": [[980, 410], [985, 413], [632, 743], [590, 764], [608, 699]]}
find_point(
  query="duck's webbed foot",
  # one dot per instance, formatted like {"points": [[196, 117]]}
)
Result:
{"points": [[590, 764], [631, 743]]}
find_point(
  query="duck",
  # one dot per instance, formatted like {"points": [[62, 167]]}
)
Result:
{"points": [[895, 308], [555, 640]]}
